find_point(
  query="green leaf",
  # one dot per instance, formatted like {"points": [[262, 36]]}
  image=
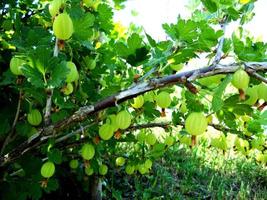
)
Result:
{"points": [[82, 27], [134, 42], [57, 116], [151, 41], [23, 129], [52, 185], [217, 101], [193, 104], [105, 15], [58, 75], [33, 75], [35, 191], [242, 109], [210, 5], [55, 156], [255, 127]]}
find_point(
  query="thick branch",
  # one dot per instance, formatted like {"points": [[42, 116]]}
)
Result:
{"points": [[138, 89]]}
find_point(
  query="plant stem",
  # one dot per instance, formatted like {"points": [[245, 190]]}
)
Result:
{"points": [[8, 138]]}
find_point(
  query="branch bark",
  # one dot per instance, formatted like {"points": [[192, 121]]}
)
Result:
{"points": [[138, 89], [50, 93]]}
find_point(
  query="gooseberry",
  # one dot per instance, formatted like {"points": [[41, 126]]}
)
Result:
{"points": [[169, 140], [63, 26], [103, 169], [151, 139], [55, 6], [123, 119], [15, 65], [74, 164], [48, 169], [89, 171], [196, 123], [73, 74], [163, 99], [88, 151], [138, 102], [129, 169], [34, 117], [240, 79], [68, 89], [120, 161], [106, 131], [262, 91]]}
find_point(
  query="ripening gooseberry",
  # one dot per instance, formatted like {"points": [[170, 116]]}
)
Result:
{"points": [[63, 26], [262, 91], [55, 6], [129, 169], [73, 74], [68, 89], [138, 102], [88, 151], [89, 171], [120, 161], [240, 79], [169, 140], [106, 131], [151, 139], [252, 92], [15, 65], [74, 164], [34, 117], [103, 169], [196, 123], [148, 163], [163, 99], [123, 119], [48, 169]]}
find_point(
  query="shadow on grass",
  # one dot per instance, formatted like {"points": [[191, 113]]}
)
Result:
{"points": [[195, 174]]}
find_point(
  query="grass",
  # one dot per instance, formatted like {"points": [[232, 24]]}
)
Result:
{"points": [[199, 173]]}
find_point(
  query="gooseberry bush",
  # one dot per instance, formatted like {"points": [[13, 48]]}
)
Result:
{"points": [[82, 96]]}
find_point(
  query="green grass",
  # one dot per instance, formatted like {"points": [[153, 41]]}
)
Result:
{"points": [[195, 174]]}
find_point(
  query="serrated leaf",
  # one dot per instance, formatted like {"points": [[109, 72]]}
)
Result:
{"points": [[210, 5], [105, 15], [58, 75], [82, 27], [33, 75], [217, 101], [134, 42]]}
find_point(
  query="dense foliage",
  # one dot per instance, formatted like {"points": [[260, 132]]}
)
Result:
{"points": [[84, 98]]}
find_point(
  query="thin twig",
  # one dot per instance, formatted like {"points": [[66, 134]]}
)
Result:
{"points": [[219, 48], [256, 75], [8, 138], [50, 93]]}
